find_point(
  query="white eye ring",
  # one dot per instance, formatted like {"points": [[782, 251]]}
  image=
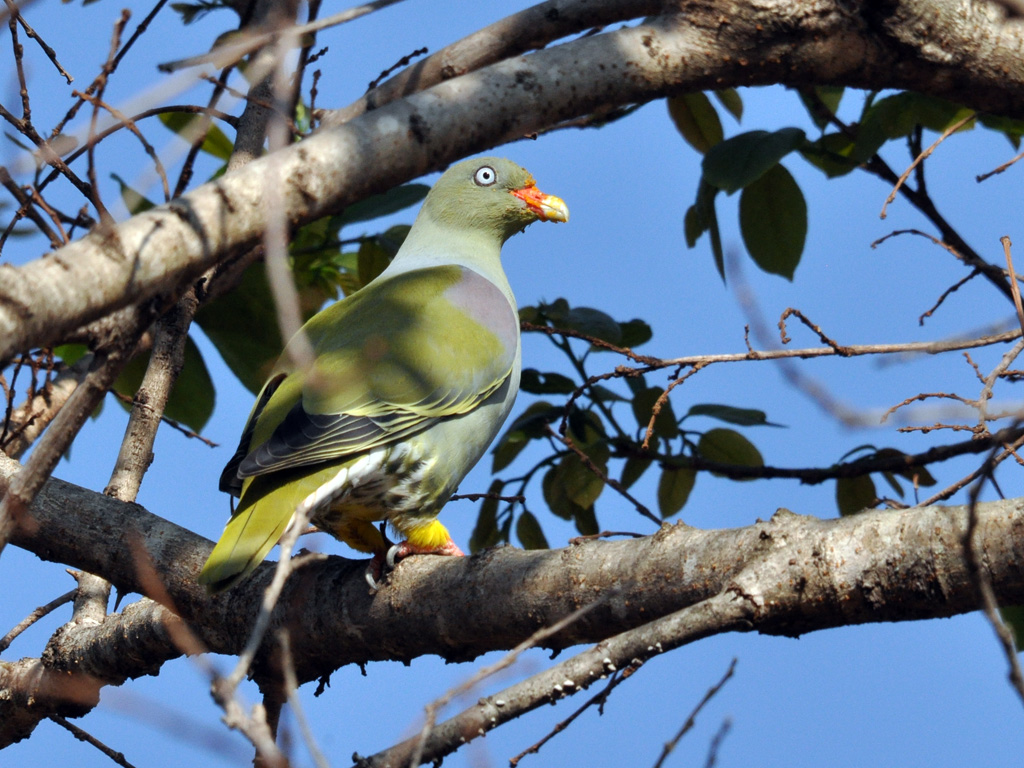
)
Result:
{"points": [[485, 176]]}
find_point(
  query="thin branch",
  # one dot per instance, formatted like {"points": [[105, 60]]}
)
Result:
{"points": [[617, 678], [983, 581], [229, 55], [483, 673], [597, 471], [721, 613], [35, 616], [982, 177], [671, 744], [946, 294], [858, 468], [529, 29], [923, 156], [88, 738], [82, 402], [291, 685], [50, 53], [1014, 286], [1010, 448]]}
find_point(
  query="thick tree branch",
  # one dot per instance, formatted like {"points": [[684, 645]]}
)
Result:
{"points": [[795, 574], [973, 59]]}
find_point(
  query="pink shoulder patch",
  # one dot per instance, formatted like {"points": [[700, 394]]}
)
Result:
{"points": [[479, 298]]}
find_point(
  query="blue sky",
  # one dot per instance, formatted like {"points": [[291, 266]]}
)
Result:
{"points": [[915, 694]]}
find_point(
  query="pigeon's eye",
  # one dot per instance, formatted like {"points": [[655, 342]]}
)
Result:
{"points": [[485, 176]]}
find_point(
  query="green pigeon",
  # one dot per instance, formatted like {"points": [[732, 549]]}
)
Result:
{"points": [[413, 377]]}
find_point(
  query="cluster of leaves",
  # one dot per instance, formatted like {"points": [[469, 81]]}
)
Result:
{"points": [[599, 436], [772, 209]]}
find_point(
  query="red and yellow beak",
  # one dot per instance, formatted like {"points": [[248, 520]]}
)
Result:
{"points": [[545, 207]]}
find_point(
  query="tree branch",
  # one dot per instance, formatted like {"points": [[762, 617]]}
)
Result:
{"points": [[973, 59], [795, 574]]}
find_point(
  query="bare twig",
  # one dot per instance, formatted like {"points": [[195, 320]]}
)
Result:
{"points": [[946, 294], [718, 614], [949, 491], [716, 742], [35, 616], [983, 581], [921, 157], [1014, 286], [999, 169], [291, 686], [106, 220], [228, 55], [484, 672], [617, 678], [662, 399], [692, 719], [50, 53], [88, 738], [790, 311], [55, 441]]}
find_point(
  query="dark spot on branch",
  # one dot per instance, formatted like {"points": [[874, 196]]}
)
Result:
{"points": [[418, 128]]}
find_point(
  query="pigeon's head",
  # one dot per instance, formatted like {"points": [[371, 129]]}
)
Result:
{"points": [[491, 194]]}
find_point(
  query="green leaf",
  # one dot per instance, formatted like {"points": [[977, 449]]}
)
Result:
{"points": [[890, 478], [188, 127], [133, 201], [1012, 129], [586, 522], [554, 495], [827, 96], [716, 245], [643, 405], [636, 384], [896, 116], [485, 532], [71, 353], [528, 426], [192, 399], [634, 333], [830, 154], [634, 469], [557, 312], [243, 327], [700, 216], [593, 322], [854, 494], [392, 201], [537, 383], [674, 489], [529, 533], [602, 394], [773, 221], [588, 431], [373, 259], [580, 485], [1013, 617], [727, 446], [743, 159], [920, 476], [696, 120], [744, 417], [731, 100]]}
